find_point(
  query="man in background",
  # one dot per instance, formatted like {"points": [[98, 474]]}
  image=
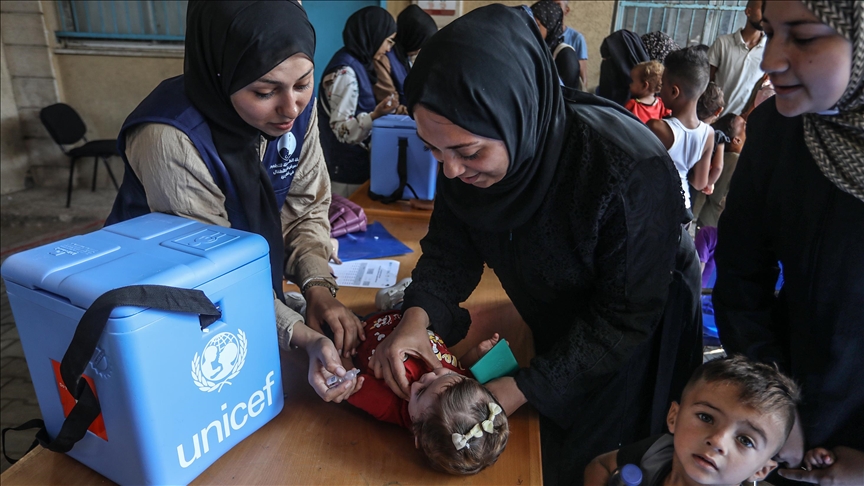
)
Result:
{"points": [[735, 59]]}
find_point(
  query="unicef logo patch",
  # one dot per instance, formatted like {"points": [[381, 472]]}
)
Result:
{"points": [[286, 145], [222, 359]]}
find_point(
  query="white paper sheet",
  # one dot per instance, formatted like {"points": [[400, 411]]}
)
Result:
{"points": [[366, 273]]}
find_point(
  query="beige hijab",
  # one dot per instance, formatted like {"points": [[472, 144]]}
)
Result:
{"points": [[837, 141]]}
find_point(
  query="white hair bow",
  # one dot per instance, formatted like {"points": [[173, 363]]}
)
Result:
{"points": [[461, 441]]}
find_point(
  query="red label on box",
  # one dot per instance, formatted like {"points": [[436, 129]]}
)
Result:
{"points": [[98, 425]]}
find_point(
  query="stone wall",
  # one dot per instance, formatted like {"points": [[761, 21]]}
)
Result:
{"points": [[31, 74], [13, 153]]}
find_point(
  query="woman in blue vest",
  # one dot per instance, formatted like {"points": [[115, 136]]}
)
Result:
{"points": [[347, 103], [194, 148], [413, 28]]}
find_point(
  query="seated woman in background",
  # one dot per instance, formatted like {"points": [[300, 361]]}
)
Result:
{"points": [[413, 28], [347, 103], [194, 148], [550, 21]]}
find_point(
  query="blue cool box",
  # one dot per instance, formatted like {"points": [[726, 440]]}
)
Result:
{"points": [[421, 167], [174, 397]]}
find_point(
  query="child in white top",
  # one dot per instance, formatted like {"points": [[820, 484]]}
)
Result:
{"points": [[689, 141]]}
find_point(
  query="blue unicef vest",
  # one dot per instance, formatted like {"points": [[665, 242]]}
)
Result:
{"points": [[398, 73], [347, 163], [168, 104]]}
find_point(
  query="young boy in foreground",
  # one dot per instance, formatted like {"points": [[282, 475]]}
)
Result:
{"points": [[734, 417]]}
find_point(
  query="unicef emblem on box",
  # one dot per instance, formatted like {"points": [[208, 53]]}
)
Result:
{"points": [[221, 360], [150, 296]]}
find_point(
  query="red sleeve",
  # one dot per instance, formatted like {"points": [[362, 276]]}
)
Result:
{"points": [[376, 399], [630, 105], [664, 112]]}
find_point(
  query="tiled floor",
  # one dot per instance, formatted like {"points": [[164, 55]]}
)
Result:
{"points": [[28, 219]]}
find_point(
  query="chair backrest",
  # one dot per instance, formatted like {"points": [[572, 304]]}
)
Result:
{"points": [[63, 123]]}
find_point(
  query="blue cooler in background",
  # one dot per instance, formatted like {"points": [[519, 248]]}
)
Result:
{"points": [[174, 395], [421, 169]]}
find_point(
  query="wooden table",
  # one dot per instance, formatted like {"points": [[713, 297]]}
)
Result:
{"points": [[313, 442]]}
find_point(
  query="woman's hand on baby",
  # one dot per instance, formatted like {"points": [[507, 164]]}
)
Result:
{"points": [[388, 105], [322, 308], [410, 338], [847, 468], [324, 362]]}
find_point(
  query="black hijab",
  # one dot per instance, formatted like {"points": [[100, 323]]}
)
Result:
{"points": [[621, 52], [490, 73], [413, 28], [364, 32], [229, 45], [551, 16]]}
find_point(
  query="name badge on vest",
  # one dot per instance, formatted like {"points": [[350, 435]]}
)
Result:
{"points": [[283, 156], [285, 165]]}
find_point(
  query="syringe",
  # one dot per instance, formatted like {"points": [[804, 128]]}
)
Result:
{"points": [[335, 380]]}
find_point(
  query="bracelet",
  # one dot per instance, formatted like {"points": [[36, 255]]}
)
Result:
{"points": [[319, 282]]}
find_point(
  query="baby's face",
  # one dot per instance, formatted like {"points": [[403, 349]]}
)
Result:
{"points": [[719, 440], [425, 391]]}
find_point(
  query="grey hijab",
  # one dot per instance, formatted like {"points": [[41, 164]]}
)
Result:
{"points": [[837, 141]]}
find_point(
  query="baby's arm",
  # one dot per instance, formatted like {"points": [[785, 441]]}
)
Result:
{"points": [[818, 458], [474, 354], [599, 470]]}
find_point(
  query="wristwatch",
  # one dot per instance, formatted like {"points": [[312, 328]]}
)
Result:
{"points": [[319, 282]]}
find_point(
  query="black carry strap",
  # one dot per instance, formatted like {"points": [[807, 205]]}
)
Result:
{"points": [[402, 172], [83, 345], [30, 424]]}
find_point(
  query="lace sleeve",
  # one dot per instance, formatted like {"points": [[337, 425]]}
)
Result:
{"points": [[634, 255], [446, 274]]}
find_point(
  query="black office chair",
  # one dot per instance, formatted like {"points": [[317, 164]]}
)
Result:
{"points": [[67, 128]]}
